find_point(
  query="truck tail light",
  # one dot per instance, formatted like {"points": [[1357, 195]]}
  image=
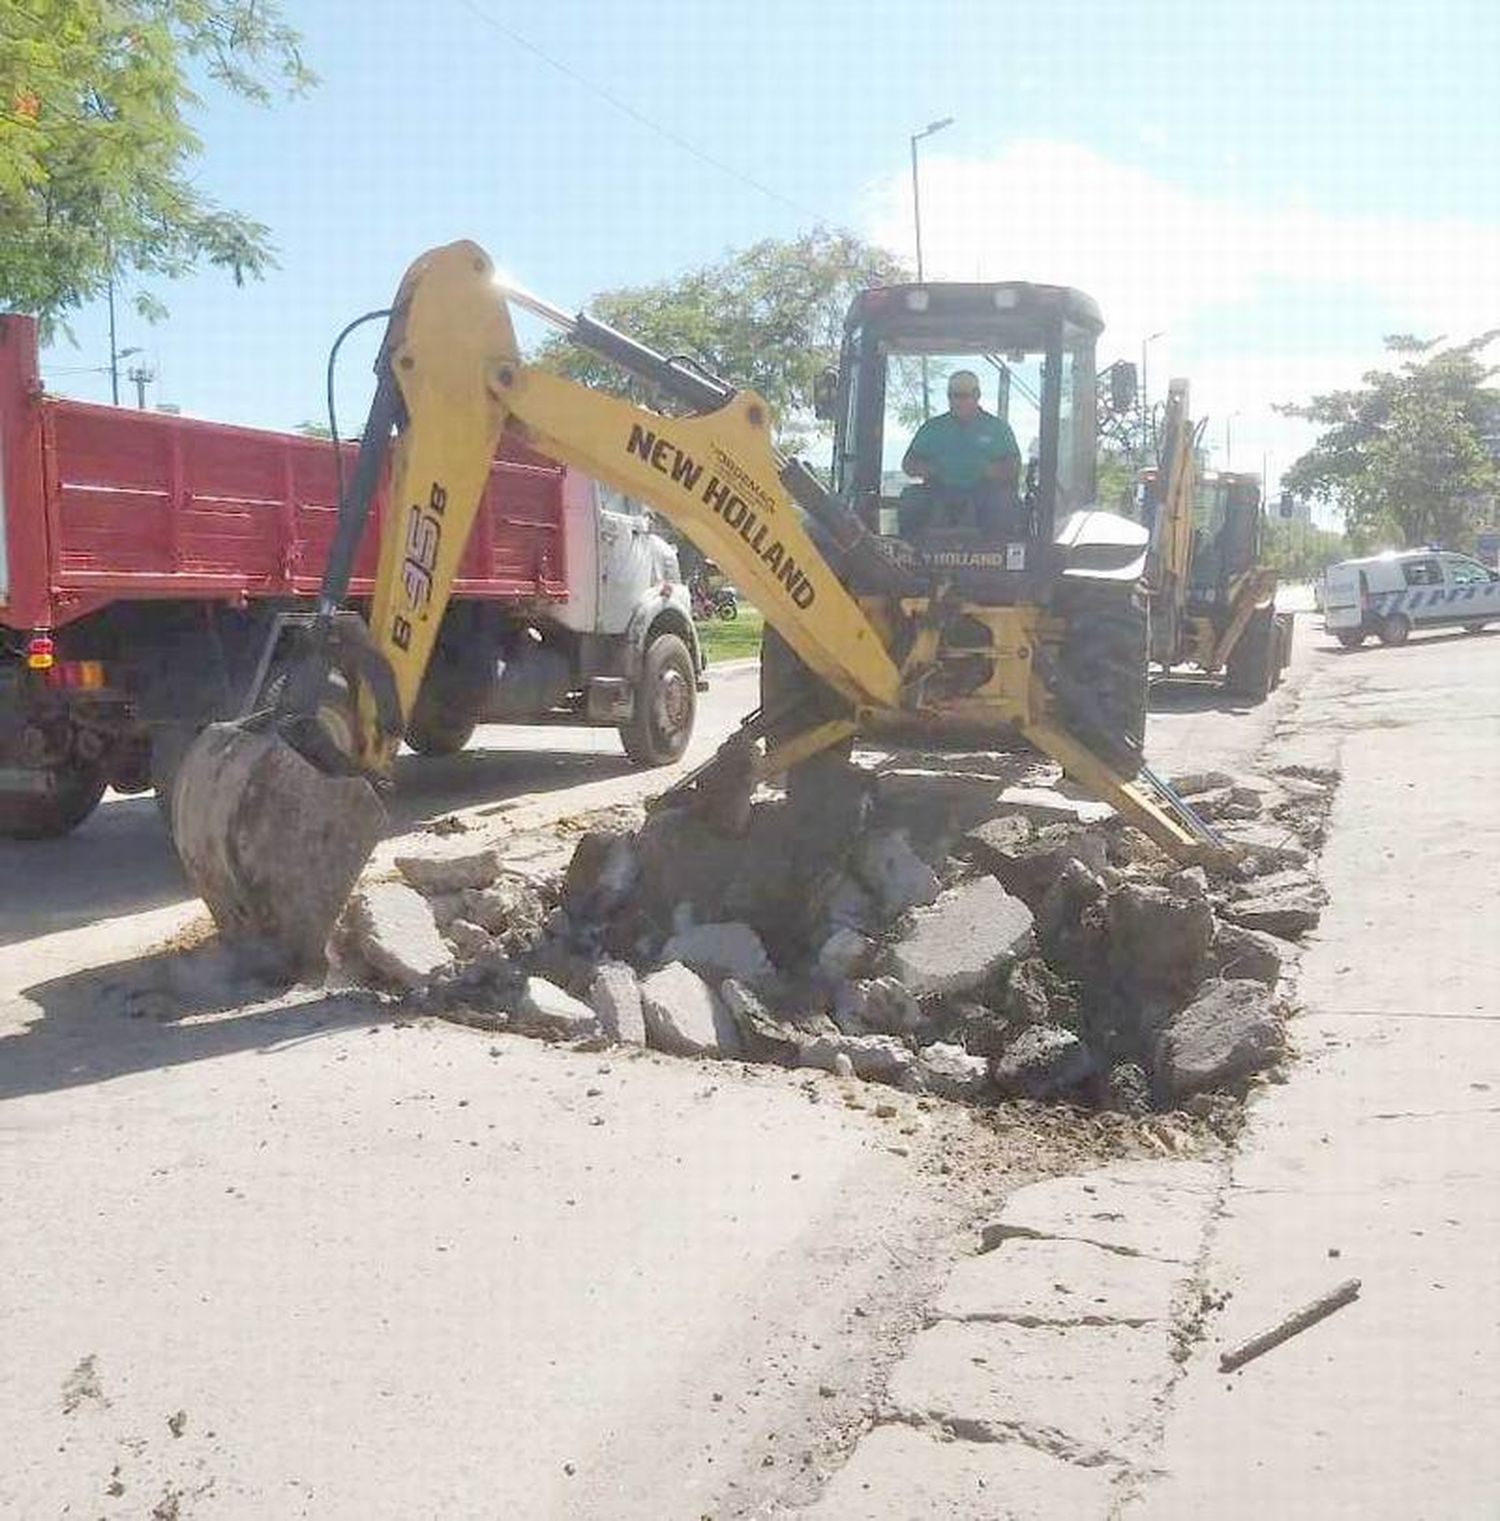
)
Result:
{"points": [[87, 675], [39, 650]]}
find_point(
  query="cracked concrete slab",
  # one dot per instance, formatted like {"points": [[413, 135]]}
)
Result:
{"points": [[1145, 1209], [1079, 1393], [1060, 1283], [900, 1472]]}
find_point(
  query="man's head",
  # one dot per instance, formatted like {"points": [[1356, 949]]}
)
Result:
{"points": [[963, 393]]}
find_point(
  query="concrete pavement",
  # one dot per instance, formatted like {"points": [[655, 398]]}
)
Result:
{"points": [[1380, 1159], [1070, 1369]]}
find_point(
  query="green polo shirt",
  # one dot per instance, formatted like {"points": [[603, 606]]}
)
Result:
{"points": [[962, 452]]}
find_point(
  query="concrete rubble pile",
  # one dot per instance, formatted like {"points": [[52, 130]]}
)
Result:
{"points": [[923, 926]]}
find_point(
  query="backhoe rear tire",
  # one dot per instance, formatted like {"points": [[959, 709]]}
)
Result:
{"points": [[74, 790], [1252, 668], [1099, 686]]}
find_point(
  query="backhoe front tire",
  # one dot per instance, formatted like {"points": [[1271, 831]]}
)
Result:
{"points": [[1099, 687], [435, 732], [666, 704], [1253, 662], [794, 700], [74, 790]]}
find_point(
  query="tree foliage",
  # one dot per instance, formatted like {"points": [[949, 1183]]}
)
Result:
{"points": [[769, 317], [1411, 456], [1299, 551], [97, 158]]}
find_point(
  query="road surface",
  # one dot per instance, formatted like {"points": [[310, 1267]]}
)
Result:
{"points": [[306, 1259]]}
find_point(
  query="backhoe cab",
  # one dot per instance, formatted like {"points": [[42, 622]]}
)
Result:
{"points": [[1032, 347], [1039, 633], [1039, 626]]}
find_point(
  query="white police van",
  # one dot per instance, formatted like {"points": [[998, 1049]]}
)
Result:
{"points": [[1389, 595]]}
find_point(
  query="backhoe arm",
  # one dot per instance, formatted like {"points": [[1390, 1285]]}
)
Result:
{"points": [[452, 355]]}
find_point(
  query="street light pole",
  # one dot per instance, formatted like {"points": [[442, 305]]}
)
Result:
{"points": [[1146, 429], [1229, 441], [916, 216]]}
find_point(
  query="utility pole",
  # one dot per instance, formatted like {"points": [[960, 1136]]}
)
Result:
{"points": [[114, 356], [141, 377], [916, 215]]}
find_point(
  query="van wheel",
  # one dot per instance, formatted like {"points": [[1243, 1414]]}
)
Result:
{"points": [[1395, 629], [73, 792], [1351, 638], [666, 703]]}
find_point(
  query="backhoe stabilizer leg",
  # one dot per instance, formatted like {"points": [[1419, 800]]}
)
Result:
{"points": [[1144, 800]]}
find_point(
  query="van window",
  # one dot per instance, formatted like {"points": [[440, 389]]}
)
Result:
{"points": [[1462, 572], [1422, 572]]}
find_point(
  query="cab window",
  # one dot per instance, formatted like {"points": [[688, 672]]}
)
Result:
{"points": [[1422, 573]]}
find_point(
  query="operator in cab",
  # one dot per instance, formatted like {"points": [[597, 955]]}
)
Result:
{"points": [[969, 465]]}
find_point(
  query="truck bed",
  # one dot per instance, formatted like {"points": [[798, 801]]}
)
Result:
{"points": [[101, 503]]}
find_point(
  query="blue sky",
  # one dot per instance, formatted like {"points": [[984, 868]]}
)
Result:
{"points": [[1275, 185]]}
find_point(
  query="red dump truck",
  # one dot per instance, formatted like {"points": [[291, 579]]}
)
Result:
{"points": [[146, 559]]}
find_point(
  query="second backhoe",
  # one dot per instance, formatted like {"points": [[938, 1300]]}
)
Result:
{"points": [[1037, 628]]}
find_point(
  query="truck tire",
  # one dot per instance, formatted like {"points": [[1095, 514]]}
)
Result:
{"points": [[1395, 629], [75, 790], [1350, 638], [666, 703], [1099, 682], [1251, 672], [434, 732]]}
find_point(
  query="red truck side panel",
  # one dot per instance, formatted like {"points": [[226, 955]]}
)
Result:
{"points": [[103, 503]]}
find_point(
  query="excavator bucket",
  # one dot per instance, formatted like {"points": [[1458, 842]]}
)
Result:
{"points": [[272, 843]]}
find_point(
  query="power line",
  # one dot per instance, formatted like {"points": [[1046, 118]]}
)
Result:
{"points": [[624, 106]]}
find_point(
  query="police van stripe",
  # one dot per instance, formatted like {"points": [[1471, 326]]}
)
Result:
{"points": [[1431, 598]]}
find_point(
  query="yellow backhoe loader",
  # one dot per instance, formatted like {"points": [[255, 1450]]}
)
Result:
{"points": [[1213, 604], [1031, 623]]}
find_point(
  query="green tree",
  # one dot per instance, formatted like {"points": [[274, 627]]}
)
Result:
{"points": [[1411, 455], [1297, 551], [97, 158], [769, 317]]}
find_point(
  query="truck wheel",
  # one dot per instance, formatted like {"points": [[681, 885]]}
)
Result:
{"points": [[1394, 630], [1251, 671], [1099, 684], [74, 790], [438, 733], [1350, 638], [666, 703]]}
